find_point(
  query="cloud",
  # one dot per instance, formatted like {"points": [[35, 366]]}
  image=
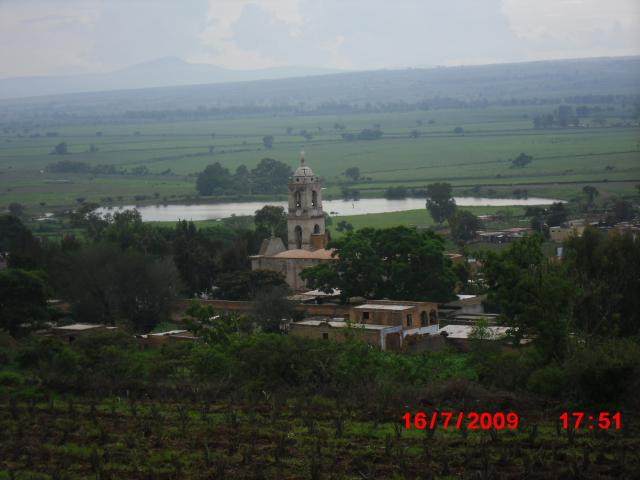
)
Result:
{"points": [[219, 36], [575, 23], [55, 36], [41, 37]]}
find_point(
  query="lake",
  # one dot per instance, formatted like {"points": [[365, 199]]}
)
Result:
{"points": [[212, 211]]}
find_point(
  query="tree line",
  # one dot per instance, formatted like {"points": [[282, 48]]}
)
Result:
{"points": [[268, 177]]}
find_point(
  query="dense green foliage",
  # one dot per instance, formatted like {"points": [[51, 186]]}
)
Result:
{"points": [[23, 299], [387, 263], [440, 202], [605, 271], [268, 177], [464, 225], [533, 295]]}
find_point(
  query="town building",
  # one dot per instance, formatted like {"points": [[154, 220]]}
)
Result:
{"points": [[383, 323], [306, 232], [560, 233]]}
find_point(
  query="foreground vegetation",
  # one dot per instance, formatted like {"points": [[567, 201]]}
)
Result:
{"points": [[272, 406]]}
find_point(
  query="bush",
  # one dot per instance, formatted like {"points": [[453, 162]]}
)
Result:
{"points": [[11, 379], [605, 371], [550, 381]]}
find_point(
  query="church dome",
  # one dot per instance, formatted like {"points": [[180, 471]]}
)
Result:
{"points": [[303, 171]]}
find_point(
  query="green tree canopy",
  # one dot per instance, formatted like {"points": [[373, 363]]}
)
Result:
{"points": [[214, 180], [107, 285], [352, 174], [23, 299], [533, 295], [591, 192], [271, 218], [464, 225], [267, 141], [396, 263], [605, 269], [245, 284], [270, 176], [440, 202]]}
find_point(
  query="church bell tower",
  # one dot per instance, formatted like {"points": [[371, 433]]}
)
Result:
{"points": [[305, 219]]}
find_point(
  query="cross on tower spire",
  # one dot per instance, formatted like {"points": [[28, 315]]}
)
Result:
{"points": [[301, 157]]}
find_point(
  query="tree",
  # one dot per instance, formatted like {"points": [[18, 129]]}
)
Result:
{"points": [[622, 210], [605, 269], [521, 160], [24, 249], [352, 174], [267, 141], [108, 285], [370, 134], [60, 149], [464, 225], [23, 299], [591, 192], [458, 130], [386, 263], [213, 328], [344, 226], [126, 229], [272, 307], [269, 220], [245, 284], [557, 214], [564, 114], [16, 209], [213, 180], [440, 202], [270, 176], [396, 192], [533, 296], [193, 258], [414, 134]]}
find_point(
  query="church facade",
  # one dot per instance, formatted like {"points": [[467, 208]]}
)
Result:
{"points": [[306, 232]]}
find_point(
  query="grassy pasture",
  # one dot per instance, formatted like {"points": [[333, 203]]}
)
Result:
{"points": [[564, 159]]}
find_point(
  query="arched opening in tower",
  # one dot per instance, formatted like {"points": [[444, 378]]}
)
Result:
{"points": [[298, 199], [298, 234], [314, 199], [316, 229]]}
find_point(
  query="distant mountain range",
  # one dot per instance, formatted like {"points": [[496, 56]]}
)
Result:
{"points": [[163, 72], [109, 96]]}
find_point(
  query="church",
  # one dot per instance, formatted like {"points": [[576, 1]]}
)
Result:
{"points": [[306, 233]]}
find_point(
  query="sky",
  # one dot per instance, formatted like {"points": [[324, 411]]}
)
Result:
{"points": [[51, 37]]}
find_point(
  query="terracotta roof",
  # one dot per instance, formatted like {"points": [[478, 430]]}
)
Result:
{"points": [[320, 254]]}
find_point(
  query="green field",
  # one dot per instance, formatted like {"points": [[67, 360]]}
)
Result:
{"points": [[564, 159]]}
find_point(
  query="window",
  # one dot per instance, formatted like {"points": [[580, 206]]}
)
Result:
{"points": [[409, 320], [314, 198], [433, 317], [316, 229], [365, 316], [424, 319], [325, 336], [298, 234]]}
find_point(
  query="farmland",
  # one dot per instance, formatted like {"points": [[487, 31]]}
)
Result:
{"points": [[564, 159]]}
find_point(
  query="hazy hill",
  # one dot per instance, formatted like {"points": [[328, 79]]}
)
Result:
{"points": [[547, 80], [163, 72]]}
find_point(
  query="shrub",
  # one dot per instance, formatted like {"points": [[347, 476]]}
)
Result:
{"points": [[11, 379], [549, 381]]}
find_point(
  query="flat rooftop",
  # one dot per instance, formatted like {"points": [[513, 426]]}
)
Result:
{"points": [[381, 306], [77, 327], [464, 331], [341, 324]]}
